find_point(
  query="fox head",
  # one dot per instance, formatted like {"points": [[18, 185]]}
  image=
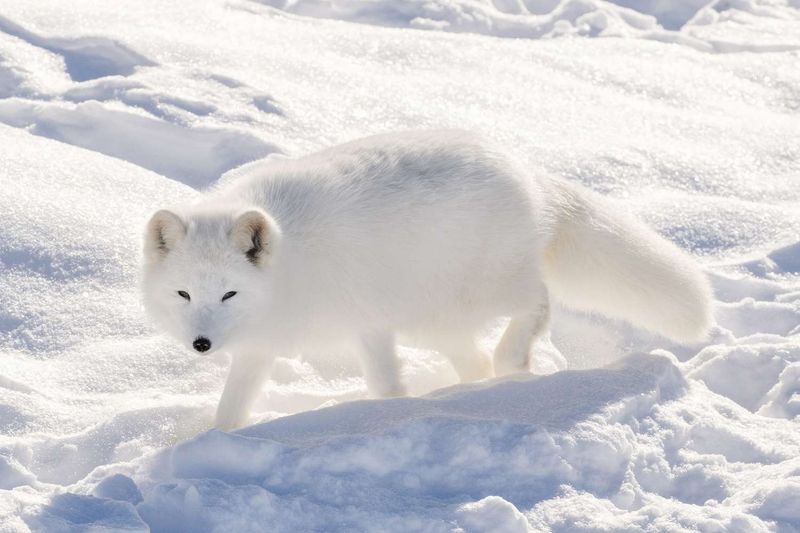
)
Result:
{"points": [[204, 273]]}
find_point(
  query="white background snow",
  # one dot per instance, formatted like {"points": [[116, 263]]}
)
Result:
{"points": [[686, 112]]}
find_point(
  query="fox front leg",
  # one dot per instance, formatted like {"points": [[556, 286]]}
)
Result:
{"points": [[381, 365], [245, 378]]}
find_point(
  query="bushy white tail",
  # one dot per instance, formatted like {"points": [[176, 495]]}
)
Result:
{"points": [[601, 260]]}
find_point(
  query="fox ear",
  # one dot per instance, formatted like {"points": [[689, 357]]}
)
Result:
{"points": [[164, 231], [255, 234]]}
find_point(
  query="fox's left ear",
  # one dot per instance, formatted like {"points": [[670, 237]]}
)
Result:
{"points": [[255, 233]]}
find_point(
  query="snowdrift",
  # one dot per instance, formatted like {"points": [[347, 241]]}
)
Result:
{"points": [[631, 444], [692, 23]]}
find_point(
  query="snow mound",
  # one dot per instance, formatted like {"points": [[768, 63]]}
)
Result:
{"points": [[785, 260], [629, 444], [501, 19], [759, 377], [54, 261], [661, 20]]}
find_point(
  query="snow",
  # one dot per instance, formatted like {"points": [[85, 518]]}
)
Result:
{"points": [[684, 112], [697, 23]]}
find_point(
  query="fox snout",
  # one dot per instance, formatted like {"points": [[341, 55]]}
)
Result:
{"points": [[201, 344]]}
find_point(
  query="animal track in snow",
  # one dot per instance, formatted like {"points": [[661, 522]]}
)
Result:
{"points": [[263, 102], [85, 58], [194, 156]]}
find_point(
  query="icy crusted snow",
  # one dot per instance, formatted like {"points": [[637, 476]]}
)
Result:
{"points": [[688, 115]]}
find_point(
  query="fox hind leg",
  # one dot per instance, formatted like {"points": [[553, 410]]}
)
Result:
{"points": [[512, 354], [468, 360]]}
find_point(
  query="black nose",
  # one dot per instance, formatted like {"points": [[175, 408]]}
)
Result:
{"points": [[201, 344]]}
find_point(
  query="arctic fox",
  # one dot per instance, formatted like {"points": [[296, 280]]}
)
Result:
{"points": [[425, 234]]}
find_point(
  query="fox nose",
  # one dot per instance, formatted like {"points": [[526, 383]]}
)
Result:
{"points": [[201, 344]]}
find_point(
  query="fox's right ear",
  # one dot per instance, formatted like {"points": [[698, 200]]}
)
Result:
{"points": [[164, 231]]}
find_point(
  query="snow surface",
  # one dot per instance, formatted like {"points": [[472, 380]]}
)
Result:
{"points": [[685, 112]]}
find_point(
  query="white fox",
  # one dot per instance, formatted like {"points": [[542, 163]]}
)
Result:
{"points": [[425, 234]]}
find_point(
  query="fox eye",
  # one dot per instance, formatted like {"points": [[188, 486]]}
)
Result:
{"points": [[184, 295], [228, 295]]}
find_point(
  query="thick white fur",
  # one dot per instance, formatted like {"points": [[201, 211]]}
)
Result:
{"points": [[425, 234]]}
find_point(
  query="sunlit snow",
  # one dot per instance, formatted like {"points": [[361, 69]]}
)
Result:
{"points": [[686, 113]]}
